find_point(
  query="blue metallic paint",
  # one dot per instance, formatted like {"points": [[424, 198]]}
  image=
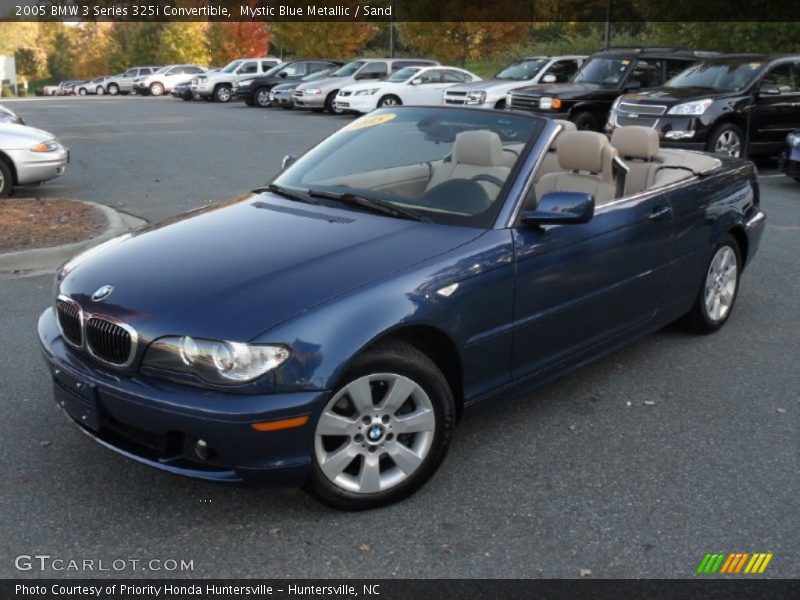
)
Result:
{"points": [[532, 304]]}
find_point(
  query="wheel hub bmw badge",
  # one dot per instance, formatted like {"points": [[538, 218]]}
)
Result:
{"points": [[375, 433], [102, 293]]}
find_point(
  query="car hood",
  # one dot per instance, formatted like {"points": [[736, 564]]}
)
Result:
{"points": [[323, 83], [487, 84], [561, 89], [237, 269], [675, 95], [15, 137]]}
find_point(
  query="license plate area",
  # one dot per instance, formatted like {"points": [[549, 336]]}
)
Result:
{"points": [[78, 399]]}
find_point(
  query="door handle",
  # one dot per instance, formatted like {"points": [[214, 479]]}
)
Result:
{"points": [[660, 212]]}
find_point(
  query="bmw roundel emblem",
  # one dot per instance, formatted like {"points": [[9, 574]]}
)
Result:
{"points": [[102, 293]]}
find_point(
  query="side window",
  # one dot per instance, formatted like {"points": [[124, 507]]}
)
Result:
{"points": [[648, 73], [563, 70], [294, 70], [431, 76], [374, 70], [132, 73], [784, 77], [248, 68], [193, 70], [455, 77], [266, 65], [318, 66]]}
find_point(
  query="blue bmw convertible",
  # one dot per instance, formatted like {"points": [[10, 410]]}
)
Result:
{"points": [[331, 329]]}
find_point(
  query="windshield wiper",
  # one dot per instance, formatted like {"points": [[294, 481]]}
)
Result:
{"points": [[287, 193], [373, 204]]}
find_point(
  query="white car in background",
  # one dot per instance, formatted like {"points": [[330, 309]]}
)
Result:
{"points": [[218, 85], [28, 156], [162, 81], [411, 85], [491, 93]]}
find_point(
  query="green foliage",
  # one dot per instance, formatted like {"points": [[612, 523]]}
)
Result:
{"points": [[183, 43], [59, 59], [30, 62]]}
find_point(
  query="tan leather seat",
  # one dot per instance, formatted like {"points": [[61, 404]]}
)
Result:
{"points": [[585, 159], [474, 153], [638, 147], [550, 161]]}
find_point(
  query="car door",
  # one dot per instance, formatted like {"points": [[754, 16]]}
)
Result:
{"points": [[248, 68], [294, 71], [578, 286], [427, 87], [776, 110]]}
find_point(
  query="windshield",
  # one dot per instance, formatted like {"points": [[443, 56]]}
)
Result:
{"points": [[403, 74], [719, 76], [317, 75], [348, 69], [164, 69], [231, 66], [273, 70], [522, 70], [604, 71], [447, 165]]}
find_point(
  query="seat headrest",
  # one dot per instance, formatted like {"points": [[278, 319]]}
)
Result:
{"points": [[635, 141], [479, 148], [581, 151], [566, 127]]}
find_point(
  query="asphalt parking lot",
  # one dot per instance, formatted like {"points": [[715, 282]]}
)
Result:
{"points": [[635, 466]]}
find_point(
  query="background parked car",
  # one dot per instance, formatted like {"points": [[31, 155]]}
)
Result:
{"points": [[162, 81], [491, 93], [28, 156], [123, 83], [587, 99], [790, 158], [9, 116], [281, 94], [218, 85], [320, 94], [727, 105], [95, 86], [412, 85], [67, 87], [183, 90], [50, 90], [254, 91]]}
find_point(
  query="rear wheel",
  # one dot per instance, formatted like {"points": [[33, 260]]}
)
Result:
{"points": [[222, 93], [388, 101], [100, 91], [6, 179], [156, 89], [262, 97], [727, 140], [330, 105], [384, 432], [718, 290], [586, 121]]}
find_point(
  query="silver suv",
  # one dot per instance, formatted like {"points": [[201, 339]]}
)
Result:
{"points": [[218, 85], [319, 95], [123, 83], [491, 93]]}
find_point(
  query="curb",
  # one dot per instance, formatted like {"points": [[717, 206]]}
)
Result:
{"points": [[40, 259]]}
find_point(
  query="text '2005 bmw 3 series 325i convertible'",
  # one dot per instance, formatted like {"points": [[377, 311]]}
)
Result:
{"points": [[330, 330]]}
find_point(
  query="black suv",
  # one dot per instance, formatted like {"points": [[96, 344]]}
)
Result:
{"points": [[587, 99], [729, 105], [255, 90]]}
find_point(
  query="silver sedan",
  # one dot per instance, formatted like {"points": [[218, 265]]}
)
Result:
{"points": [[28, 156]]}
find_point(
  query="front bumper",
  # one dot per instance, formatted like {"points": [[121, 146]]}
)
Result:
{"points": [[316, 101], [158, 422], [202, 89], [281, 98], [242, 93], [359, 104], [36, 167]]}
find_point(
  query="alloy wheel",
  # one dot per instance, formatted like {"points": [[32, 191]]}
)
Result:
{"points": [[728, 144], [721, 282], [223, 94], [262, 98], [374, 433], [156, 89], [388, 102]]}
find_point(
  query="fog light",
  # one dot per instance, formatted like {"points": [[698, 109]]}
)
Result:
{"points": [[202, 450], [677, 134]]}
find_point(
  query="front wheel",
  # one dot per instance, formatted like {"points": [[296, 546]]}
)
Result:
{"points": [[156, 89], [6, 180], [718, 290], [82, 92], [389, 101], [262, 97], [222, 93], [330, 103], [727, 140], [384, 432], [100, 91], [113, 89], [586, 121]]}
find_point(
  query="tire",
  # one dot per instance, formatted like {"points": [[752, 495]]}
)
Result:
{"points": [[222, 94], [6, 179], [586, 121], [500, 105], [113, 89], [390, 100], [100, 91], [726, 139], [82, 92], [354, 482], [261, 97], [718, 282], [329, 106], [156, 89]]}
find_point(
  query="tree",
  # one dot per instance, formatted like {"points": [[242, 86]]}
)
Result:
{"points": [[458, 42], [183, 43], [229, 41], [329, 40], [59, 59], [31, 62]]}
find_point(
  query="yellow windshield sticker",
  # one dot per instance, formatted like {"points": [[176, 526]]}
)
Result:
{"points": [[369, 121]]}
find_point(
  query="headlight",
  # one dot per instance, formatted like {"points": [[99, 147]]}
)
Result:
{"points": [[793, 139], [214, 361], [49, 146], [369, 92], [697, 107], [508, 99], [312, 92], [73, 262], [476, 97], [548, 103]]}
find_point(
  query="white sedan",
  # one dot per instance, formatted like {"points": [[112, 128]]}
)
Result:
{"points": [[28, 156], [413, 85]]}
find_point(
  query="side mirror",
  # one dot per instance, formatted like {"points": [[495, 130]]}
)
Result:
{"points": [[549, 78], [288, 161], [416, 81], [769, 89], [561, 208], [282, 74]]}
